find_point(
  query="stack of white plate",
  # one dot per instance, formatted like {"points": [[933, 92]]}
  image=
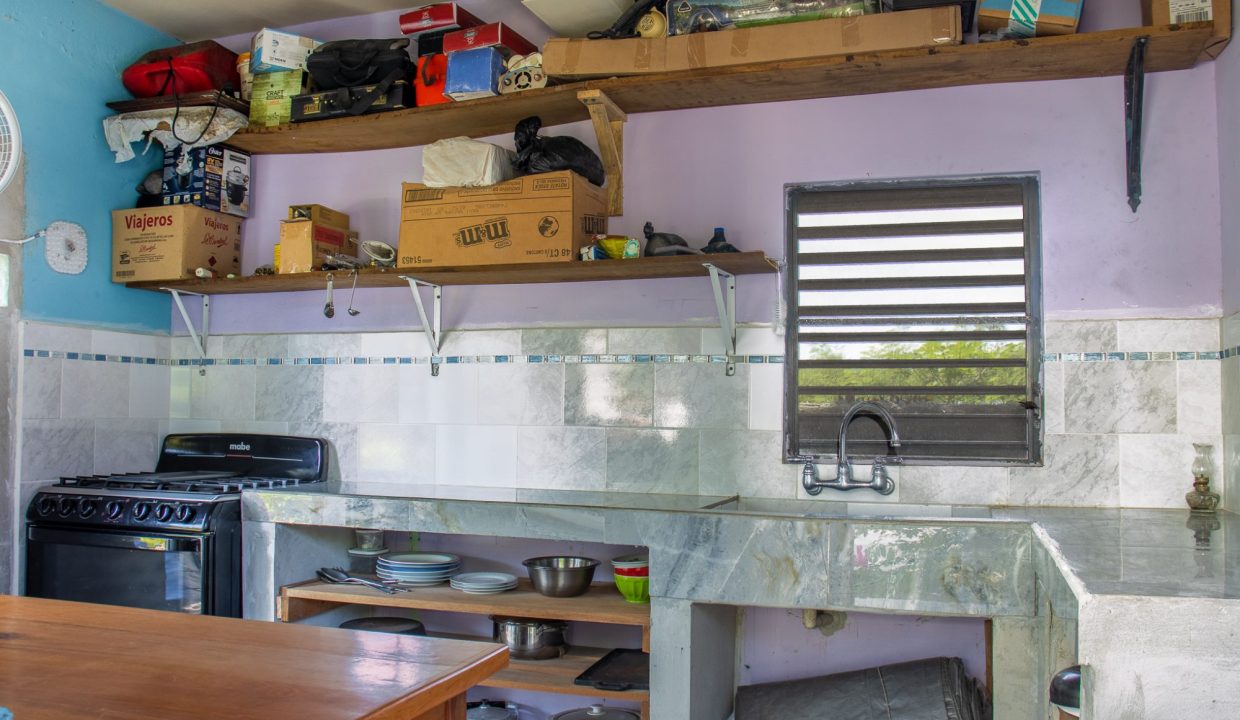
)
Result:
{"points": [[418, 569], [484, 583]]}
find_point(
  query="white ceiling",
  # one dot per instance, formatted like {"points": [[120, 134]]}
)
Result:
{"points": [[191, 21]]}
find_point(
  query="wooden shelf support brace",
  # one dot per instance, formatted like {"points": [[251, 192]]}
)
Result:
{"points": [[199, 339], [434, 328], [723, 286], [608, 121]]}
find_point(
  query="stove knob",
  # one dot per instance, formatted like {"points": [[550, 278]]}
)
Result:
{"points": [[113, 509], [141, 510], [66, 506], [186, 513], [86, 508], [163, 513], [47, 505]]}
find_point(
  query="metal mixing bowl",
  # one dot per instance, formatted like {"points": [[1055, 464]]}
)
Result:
{"points": [[561, 575]]}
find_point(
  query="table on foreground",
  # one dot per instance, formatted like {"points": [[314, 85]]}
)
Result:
{"points": [[73, 660]]}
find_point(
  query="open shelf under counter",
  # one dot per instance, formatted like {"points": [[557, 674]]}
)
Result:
{"points": [[602, 603], [1092, 54], [744, 263]]}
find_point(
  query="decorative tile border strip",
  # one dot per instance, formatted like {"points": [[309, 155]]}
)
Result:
{"points": [[595, 359]]}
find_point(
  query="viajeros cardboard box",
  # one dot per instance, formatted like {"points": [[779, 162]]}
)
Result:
{"points": [[581, 58], [170, 243], [536, 218]]}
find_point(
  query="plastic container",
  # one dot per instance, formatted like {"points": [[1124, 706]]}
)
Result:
{"points": [[247, 77]]}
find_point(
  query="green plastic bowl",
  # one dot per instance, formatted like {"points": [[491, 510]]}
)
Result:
{"points": [[634, 589]]}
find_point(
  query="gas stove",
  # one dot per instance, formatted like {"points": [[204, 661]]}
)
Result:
{"points": [[97, 538]]}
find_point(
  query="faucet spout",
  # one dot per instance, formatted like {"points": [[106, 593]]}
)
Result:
{"points": [[880, 480]]}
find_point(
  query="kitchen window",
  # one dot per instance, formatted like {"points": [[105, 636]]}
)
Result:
{"points": [[923, 296]]}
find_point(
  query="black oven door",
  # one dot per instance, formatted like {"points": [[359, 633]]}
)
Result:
{"points": [[154, 571]]}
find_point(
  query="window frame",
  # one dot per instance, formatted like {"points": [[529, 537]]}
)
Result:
{"points": [[1030, 183]]}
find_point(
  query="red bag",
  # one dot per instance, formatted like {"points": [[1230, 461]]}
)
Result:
{"points": [[431, 79], [196, 67]]}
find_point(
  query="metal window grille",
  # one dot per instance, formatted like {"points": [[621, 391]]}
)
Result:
{"points": [[923, 296]]}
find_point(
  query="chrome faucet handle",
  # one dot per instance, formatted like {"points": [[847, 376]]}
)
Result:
{"points": [[880, 479]]}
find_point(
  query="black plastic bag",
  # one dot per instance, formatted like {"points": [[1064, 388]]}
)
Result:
{"points": [[548, 154], [352, 63]]}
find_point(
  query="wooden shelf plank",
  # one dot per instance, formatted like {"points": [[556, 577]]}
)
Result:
{"points": [[1174, 47], [555, 675], [746, 263], [601, 604]]}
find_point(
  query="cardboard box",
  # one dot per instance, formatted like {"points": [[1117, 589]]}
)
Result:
{"points": [[577, 58], [276, 51], [320, 214], [474, 74], [496, 35], [214, 177], [436, 17], [1176, 12], [1053, 17], [304, 243], [170, 243], [271, 98], [536, 218]]}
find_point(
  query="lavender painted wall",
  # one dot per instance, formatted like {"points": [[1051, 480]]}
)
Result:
{"points": [[691, 170]]}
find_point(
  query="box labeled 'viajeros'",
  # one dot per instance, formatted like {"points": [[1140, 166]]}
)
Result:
{"points": [[171, 243], [536, 218]]}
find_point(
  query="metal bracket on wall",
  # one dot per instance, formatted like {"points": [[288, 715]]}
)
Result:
{"points": [[723, 287], [1134, 110], [434, 328], [199, 338]]}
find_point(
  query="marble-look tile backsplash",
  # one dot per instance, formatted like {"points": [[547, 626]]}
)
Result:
{"points": [[639, 410]]}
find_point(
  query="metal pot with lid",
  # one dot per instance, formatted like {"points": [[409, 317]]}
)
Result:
{"points": [[492, 710], [597, 712]]}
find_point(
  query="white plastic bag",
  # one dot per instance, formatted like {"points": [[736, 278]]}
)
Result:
{"points": [[462, 162]]}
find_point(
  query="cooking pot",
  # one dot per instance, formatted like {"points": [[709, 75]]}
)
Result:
{"points": [[597, 712], [492, 710], [529, 639]]}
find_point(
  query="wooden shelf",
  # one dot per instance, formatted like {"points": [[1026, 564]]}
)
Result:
{"points": [[1096, 54], [746, 263], [554, 676], [601, 604]]}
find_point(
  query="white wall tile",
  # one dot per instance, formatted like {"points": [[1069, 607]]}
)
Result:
{"points": [[324, 345], [562, 458], [360, 393], [1053, 397], [1161, 335], [150, 391], [954, 485], [1156, 470], [520, 394], [225, 393], [392, 344], [41, 387], [766, 397], [1199, 392], [476, 456], [52, 448], [672, 341], [94, 390], [395, 453], [46, 336], [478, 342], [125, 446], [1077, 470], [107, 342], [1079, 336], [180, 392], [256, 346], [749, 341], [451, 398], [1230, 331]]}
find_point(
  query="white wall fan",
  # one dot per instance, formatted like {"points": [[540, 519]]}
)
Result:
{"points": [[65, 248]]}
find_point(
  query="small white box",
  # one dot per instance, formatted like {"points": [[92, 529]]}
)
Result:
{"points": [[575, 19], [275, 51]]}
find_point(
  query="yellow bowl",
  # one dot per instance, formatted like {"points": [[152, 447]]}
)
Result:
{"points": [[634, 589]]}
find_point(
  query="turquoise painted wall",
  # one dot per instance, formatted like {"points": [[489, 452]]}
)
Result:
{"points": [[60, 61]]}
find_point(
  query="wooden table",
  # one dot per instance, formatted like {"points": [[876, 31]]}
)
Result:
{"points": [[76, 660]]}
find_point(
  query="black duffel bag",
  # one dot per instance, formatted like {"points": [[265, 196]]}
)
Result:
{"points": [[353, 63]]}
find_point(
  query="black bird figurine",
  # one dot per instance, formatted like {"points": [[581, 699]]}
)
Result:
{"points": [[658, 244], [719, 244]]}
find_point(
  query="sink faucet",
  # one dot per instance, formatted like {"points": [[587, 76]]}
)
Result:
{"points": [[880, 480]]}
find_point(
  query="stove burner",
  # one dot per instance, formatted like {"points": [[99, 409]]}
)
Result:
{"points": [[205, 483]]}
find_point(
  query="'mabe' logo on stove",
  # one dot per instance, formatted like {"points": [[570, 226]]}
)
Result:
{"points": [[239, 446]]}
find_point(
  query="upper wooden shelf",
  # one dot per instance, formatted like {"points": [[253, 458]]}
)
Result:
{"points": [[1096, 54], [746, 263]]}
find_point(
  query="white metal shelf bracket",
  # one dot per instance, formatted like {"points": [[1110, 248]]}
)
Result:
{"points": [[434, 328], [723, 286], [199, 338]]}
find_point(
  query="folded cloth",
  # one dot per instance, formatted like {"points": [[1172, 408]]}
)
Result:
{"points": [[936, 689], [126, 128]]}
